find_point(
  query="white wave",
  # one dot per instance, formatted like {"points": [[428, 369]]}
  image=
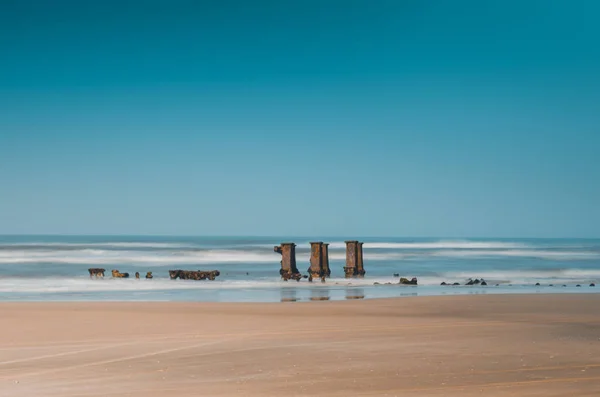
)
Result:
{"points": [[472, 253], [436, 245], [516, 278], [581, 273], [85, 285], [101, 257], [541, 254], [182, 257], [141, 245], [75, 285], [526, 277], [105, 244]]}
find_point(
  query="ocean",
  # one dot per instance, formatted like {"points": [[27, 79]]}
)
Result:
{"points": [[54, 268]]}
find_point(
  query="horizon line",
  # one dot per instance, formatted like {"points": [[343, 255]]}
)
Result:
{"points": [[283, 235]]}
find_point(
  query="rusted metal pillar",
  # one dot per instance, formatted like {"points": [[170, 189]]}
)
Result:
{"points": [[288, 261], [351, 258], [360, 268], [325, 259], [316, 261]]}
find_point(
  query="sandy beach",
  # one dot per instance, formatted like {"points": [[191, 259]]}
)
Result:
{"points": [[518, 345]]}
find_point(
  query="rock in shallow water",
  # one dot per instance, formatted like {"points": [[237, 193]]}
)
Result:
{"points": [[405, 281]]}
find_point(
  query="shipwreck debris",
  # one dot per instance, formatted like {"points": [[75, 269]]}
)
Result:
{"points": [[319, 263], [192, 274], [288, 261], [117, 274], [325, 259], [96, 272], [354, 259], [359, 259]]}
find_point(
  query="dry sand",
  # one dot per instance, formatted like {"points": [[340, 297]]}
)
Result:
{"points": [[502, 345]]}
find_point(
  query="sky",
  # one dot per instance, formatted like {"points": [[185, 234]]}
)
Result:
{"points": [[300, 117]]}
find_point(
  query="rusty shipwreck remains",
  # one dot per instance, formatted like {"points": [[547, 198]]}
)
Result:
{"points": [[96, 272], [325, 259], [118, 274], [288, 261], [360, 266], [192, 274], [319, 261], [354, 259]]}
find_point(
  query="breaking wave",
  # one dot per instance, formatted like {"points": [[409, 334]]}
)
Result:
{"points": [[173, 254], [161, 282], [56, 267], [541, 254], [437, 245], [100, 257], [104, 244]]}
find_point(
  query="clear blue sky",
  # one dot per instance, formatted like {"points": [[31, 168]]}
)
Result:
{"points": [[371, 118]]}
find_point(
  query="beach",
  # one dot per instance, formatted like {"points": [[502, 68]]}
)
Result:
{"points": [[494, 345]]}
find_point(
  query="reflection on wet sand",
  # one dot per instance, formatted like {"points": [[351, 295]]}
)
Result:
{"points": [[288, 295], [409, 294], [319, 295], [355, 293]]}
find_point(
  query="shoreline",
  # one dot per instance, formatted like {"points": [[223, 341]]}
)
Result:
{"points": [[193, 291], [310, 299], [502, 345]]}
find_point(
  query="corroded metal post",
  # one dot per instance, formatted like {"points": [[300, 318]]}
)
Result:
{"points": [[316, 269], [325, 259], [319, 261], [351, 258], [360, 268], [288, 261]]}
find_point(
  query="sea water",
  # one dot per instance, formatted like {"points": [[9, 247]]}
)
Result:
{"points": [[46, 268]]}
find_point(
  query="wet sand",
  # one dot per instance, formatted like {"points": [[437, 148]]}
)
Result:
{"points": [[497, 345]]}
